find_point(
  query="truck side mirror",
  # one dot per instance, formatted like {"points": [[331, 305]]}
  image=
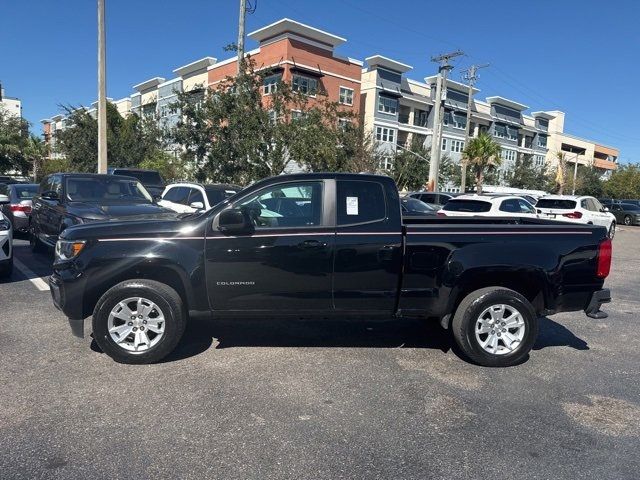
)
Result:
{"points": [[51, 195], [197, 205], [234, 220]]}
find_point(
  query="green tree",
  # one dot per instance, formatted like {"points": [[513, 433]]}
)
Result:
{"points": [[482, 155], [130, 140], [410, 168], [588, 181], [14, 140], [525, 174], [624, 182]]}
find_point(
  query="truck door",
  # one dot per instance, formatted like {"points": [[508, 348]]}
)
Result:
{"points": [[368, 254], [286, 264]]}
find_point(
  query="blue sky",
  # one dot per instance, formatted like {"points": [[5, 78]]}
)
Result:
{"points": [[548, 54]]}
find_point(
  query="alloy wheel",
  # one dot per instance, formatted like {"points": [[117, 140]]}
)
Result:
{"points": [[500, 329], [136, 324]]}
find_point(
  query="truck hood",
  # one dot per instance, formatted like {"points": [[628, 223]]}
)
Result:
{"points": [[115, 211]]}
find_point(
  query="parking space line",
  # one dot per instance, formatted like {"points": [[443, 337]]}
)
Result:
{"points": [[32, 277]]}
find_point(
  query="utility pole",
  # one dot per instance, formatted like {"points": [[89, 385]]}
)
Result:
{"points": [[246, 6], [575, 173], [470, 75], [102, 93], [436, 144]]}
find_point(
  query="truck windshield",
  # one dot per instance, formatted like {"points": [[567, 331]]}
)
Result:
{"points": [[455, 205], [556, 203], [106, 190], [146, 178]]}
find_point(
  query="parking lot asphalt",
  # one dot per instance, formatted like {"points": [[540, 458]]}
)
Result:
{"points": [[300, 399]]}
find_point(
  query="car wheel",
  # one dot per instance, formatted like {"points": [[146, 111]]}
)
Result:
{"points": [[6, 268], [36, 245], [612, 230], [627, 220], [139, 321], [495, 327]]}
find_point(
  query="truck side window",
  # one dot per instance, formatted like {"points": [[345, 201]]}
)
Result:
{"points": [[286, 205], [177, 195], [360, 202], [510, 205]]}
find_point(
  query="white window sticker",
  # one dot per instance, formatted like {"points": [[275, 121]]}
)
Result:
{"points": [[352, 205]]}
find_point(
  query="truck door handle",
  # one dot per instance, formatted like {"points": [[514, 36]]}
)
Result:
{"points": [[308, 244]]}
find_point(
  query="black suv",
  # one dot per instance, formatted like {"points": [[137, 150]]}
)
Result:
{"points": [[66, 199]]}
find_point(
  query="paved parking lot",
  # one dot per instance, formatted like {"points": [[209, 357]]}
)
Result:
{"points": [[320, 399]]}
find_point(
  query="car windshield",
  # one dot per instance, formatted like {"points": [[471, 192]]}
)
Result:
{"points": [[558, 203], [216, 195], [26, 191], [414, 205], [462, 205], [106, 190], [146, 178]]}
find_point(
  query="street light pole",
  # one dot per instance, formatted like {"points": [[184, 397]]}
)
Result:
{"points": [[102, 93], [575, 173]]}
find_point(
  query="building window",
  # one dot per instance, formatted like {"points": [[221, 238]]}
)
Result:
{"points": [[305, 85], [420, 118], [387, 105], [386, 163], [457, 146], [444, 144], [273, 116], [509, 155], [270, 84], [149, 109], [458, 120], [542, 141], [344, 123], [512, 133], [384, 134], [499, 130], [346, 96], [539, 160]]}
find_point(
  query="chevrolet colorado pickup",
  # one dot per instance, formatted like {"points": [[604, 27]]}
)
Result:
{"points": [[327, 244]]}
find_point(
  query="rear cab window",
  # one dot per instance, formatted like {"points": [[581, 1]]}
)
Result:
{"points": [[463, 205], [178, 195], [360, 201]]}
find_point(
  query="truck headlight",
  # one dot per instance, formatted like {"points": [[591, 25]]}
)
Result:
{"points": [[5, 225], [66, 249]]}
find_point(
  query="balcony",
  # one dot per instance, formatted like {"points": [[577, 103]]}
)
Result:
{"points": [[403, 118]]}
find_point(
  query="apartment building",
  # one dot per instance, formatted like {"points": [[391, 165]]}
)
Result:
{"points": [[303, 56], [398, 110], [12, 105]]}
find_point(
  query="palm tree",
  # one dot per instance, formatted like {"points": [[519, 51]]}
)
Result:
{"points": [[35, 152], [561, 173], [481, 153]]}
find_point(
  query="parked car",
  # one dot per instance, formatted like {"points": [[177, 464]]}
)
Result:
{"points": [[66, 199], [626, 213], [413, 207], [488, 206], [435, 199], [191, 197], [346, 252], [6, 241], [18, 210], [633, 201], [578, 209], [150, 179], [8, 179]]}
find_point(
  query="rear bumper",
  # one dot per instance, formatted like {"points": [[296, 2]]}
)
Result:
{"points": [[597, 300]]}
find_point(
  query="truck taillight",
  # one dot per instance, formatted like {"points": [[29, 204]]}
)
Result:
{"points": [[604, 258], [441, 214], [21, 208], [572, 215]]}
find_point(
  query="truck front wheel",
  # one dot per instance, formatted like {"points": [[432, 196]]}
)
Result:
{"points": [[495, 327], [139, 321]]}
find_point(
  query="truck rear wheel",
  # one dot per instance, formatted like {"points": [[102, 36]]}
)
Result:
{"points": [[495, 327], [139, 321]]}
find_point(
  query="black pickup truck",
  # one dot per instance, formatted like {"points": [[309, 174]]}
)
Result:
{"points": [[327, 244]]}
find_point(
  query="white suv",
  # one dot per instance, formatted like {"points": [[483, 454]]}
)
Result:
{"points": [[6, 242], [191, 197], [488, 206], [579, 209]]}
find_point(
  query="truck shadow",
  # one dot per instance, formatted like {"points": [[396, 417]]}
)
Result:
{"points": [[393, 333]]}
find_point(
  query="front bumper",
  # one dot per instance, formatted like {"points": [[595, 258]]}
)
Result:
{"points": [[597, 299], [68, 303]]}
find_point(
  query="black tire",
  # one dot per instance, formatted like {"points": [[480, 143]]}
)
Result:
{"points": [[6, 268], [464, 324], [612, 230], [36, 245], [627, 220], [165, 297]]}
